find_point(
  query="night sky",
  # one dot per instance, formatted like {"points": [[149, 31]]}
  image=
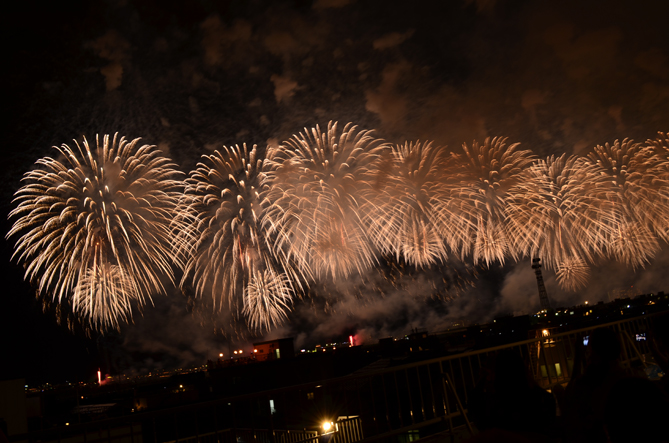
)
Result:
{"points": [[193, 76]]}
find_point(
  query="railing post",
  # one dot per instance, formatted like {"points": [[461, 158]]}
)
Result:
{"points": [[448, 381], [434, 402], [371, 388], [399, 401], [197, 430], [271, 421], [548, 372], [176, 428], [420, 390], [385, 397], [638, 354]]}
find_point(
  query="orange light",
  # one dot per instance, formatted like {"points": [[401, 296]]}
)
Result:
{"points": [[235, 352], [255, 350], [220, 355]]}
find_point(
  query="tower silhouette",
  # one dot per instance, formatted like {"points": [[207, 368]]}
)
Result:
{"points": [[543, 295]]}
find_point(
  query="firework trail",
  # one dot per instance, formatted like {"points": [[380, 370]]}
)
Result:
{"points": [[631, 200], [320, 182], [222, 244], [404, 222], [94, 227], [483, 180]]}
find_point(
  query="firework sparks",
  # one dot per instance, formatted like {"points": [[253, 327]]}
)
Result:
{"points": [[268, 298], [320, 182], [99, 229], [94, 227], [555, 215], [405, 222], [222, 245], [630, 200], [572, 273], [484, 180]]}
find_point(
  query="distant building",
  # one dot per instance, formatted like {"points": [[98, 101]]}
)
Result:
{"points": [[281, 348]]}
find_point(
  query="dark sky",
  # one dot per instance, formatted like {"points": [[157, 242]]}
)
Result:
{"points": [[192, 76]]}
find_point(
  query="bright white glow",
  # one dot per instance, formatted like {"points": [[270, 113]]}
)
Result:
{"points": [[327, 426]]}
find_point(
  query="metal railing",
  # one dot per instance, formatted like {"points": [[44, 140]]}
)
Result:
{"points": [[398, 404]]}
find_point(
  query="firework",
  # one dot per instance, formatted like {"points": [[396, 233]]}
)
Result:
{"points": [[656, 183], [555, 215], [404, 222], [105, 291], [320, 182], [268, 298], [572, 273], [483, 180], [93, 227], [222, 244], [631, 200]]}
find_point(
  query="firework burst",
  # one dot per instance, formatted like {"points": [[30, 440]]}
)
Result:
{"points": [[93, 227], [555, 215], [222, 245], [483, 181], [656, 183], [320, 182], [405, 222], [630, 200], [268, 298], [572, 273]]}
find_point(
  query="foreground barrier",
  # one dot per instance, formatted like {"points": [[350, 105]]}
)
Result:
{"points": [[398, 404]]}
